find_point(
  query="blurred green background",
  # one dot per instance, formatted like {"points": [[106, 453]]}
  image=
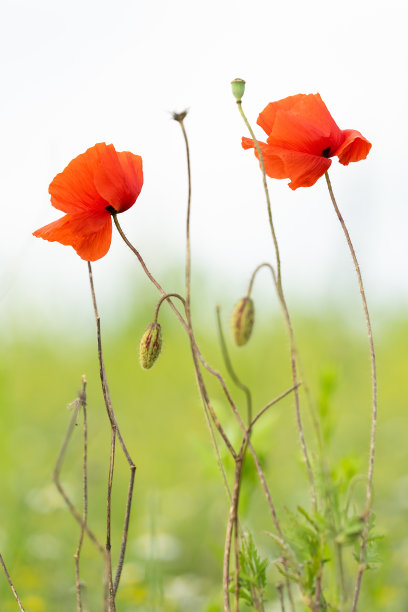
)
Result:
{"points": [[175, 550]]}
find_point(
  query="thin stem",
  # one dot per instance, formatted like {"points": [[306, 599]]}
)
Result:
{"points": [[318, 590], [12, 587], [237, 562], [146, 270], [230, 369], [57, 470], [232, 522], [312, 408], [115, 432], [268, 201], [272, 403], [125, 529], [85, 498], [232, 519], [180, 118], [255, 272], [285, 311], [207, 405], [369, 493], [200, 381], [340, 569], [162, 299], [279, 588], [112, 606]]}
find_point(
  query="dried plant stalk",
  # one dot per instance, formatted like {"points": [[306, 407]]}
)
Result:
{"points": [[13, 589], [112, 584]]}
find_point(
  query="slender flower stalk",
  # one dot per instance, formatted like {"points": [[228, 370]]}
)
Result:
{"points": [[82, 403], [56, 477], [369, 490], [233, 515], [202, 387], [113, 584], [13, 589], [179, 117], [265, 185], [286, 315], [209, 411]]}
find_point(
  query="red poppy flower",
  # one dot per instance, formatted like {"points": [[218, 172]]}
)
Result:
{"points": [[92, 186], [302, 135]]}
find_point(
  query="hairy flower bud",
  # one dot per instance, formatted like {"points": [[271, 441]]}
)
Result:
{"points": [[242, 320], [150, 345], [238, 88]]}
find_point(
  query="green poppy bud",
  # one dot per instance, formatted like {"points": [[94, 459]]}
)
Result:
{"points": [[150, 345], [238, 88], [242, 320]]}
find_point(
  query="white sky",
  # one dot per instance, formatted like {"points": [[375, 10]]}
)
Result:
{"points": [[80, 72]]}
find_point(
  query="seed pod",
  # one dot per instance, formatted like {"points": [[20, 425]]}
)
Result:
{"points": [[150, 345], [238, 88], [242, 320]]}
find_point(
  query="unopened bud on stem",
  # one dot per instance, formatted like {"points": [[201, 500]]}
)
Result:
{"points": [[150, 345], [242, 320]]}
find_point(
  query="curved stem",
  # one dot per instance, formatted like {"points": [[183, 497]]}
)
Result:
{"points": [[56, 476], [113, 586], [231, 371], [255, 272], [369, 492], [188, 244], [165, 297], [208, 407], [268, 201], [288, 322], [200, 381], [271, 403]]}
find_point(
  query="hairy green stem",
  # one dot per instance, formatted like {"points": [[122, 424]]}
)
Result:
{"points": [[369, 490], [285, 311]]}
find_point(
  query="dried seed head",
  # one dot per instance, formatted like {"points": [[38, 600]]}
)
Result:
{"points": [[150, 345], [242, 320], [238, 88], [180, 116]]}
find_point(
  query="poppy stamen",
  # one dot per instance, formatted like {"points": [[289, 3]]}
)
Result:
{"points": [[326, 152]]}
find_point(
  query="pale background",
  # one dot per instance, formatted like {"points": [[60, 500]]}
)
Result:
{"points": [[80, 72]]}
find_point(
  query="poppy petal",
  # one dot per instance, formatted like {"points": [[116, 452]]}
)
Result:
{"points": [[309, 107], [354, 148], [89, 235], [298, 133], [302, 168], [118, 177], [276, 168], [267, 117], [96, 244], [73, 190], [312, 107]]}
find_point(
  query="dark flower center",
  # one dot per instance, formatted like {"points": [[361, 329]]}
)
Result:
{"points": [[326, 152], [111, 210]]}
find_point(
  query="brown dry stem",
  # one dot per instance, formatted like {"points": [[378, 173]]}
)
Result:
{"points": [[113, 584], [12, 587], [57, 470], [82, 404]]}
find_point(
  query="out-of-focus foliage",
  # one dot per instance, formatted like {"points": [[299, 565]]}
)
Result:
{"points": [[174, 558]]}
